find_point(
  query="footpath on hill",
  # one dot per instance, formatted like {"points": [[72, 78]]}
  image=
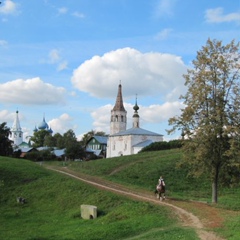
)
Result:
{"points": [[199, 216]]}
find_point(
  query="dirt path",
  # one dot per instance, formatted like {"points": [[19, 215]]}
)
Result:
{"points": [[187, 218]]}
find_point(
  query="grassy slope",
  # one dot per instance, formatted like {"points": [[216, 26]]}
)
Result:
{"points": [[53, 209], [143, 170]]}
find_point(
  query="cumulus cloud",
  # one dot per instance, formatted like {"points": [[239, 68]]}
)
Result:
{"points": [[6, 116], [8, 7], [31, 92], [62, 124], [146, 74], [216, 16], [157, 113], [101, 118]]}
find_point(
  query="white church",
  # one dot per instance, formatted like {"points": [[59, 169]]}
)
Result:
{"points": [[122, 141]]}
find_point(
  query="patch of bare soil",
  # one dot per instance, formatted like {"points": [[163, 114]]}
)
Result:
{"points": [[200, 216]]}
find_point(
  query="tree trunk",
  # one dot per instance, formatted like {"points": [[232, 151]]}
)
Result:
{"points": [[215, 188]]}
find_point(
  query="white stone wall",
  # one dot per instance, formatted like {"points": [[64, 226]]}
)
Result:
{"points": [[123, 145]]}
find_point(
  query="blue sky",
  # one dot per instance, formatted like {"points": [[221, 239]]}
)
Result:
{"points": [[65, 59]]}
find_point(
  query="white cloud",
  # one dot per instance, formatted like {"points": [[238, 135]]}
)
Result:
{"points": [[54, 56], [145, 74], [157, 114], [78, 15], [216, 16], [8, 7], [164, 8], [6, 116], [163, 34], [3, 42], [62, 66], [160, 113], [62, 124], [62, 10], [31, 92], [101, 118]]}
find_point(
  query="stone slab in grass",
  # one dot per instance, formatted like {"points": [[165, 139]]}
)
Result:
{"points": [[88, 211]]}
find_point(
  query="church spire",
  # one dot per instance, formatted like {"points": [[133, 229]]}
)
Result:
{"points": [[118, 114], [119, 100], [16, 131]]}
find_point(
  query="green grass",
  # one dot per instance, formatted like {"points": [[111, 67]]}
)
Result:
{"points": [[53, 204], [143, 170]]}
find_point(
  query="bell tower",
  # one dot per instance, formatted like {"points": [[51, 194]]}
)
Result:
{"points": [[118, 114], [135, 115], [16, 131]]}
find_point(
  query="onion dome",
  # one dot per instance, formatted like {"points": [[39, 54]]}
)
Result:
{"points": [[35, 129], [50, 130], [43, 125], [135, 108]]}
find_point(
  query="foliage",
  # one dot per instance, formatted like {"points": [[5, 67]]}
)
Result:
{"points": [[5, 144], [87, 136], [39, 137], [43, 155], [156, 146], [73, 147], [211, 118]]}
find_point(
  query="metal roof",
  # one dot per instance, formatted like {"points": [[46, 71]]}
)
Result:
{"points": [[101, 139], [136, 131], [143, 144]]}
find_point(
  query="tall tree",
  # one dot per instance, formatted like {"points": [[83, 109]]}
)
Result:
{"points": [[90, 134], [5, 143], [211, 119], [39, 137]]}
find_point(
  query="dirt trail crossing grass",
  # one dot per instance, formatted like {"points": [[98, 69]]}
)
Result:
{"points": [[210, 220]]}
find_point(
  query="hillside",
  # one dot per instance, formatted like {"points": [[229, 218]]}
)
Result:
{"points": [[53, 200], [53, 204]]}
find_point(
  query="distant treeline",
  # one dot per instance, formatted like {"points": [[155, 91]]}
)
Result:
{"points": [[156, 146]]}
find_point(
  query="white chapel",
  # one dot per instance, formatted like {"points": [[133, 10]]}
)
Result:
{"points": [[122, 141]]}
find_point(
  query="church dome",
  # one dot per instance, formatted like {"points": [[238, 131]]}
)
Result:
{"points": [[50, 130], [43, 125]]}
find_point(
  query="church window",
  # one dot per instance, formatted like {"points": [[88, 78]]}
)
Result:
{"points": [[116, 118]]}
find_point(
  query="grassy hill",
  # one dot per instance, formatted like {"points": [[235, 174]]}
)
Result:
{"points": [[53, 200], [53, 204], [143, 170]]}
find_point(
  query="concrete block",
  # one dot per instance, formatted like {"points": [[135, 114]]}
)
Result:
{"points": [[88, 211]]}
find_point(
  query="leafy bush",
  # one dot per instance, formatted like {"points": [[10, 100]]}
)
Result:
{"points": [[156, 146]]}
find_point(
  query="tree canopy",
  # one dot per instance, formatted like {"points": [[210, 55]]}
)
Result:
{"points": [[210, 122], [5, 144]]}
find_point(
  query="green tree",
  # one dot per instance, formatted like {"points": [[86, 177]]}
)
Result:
{"points": [[59, 141], [74, 148], [211, 119], [39, 137], [90, 134], [50, 141], [5, 143]]}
